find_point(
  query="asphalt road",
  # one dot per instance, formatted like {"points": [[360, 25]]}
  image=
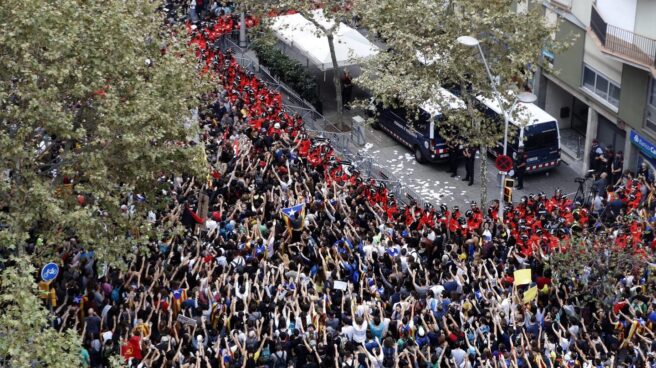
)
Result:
{"points": [[434, 184]]}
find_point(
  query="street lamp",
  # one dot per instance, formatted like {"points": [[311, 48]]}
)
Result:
{"points": [[524, 97]]}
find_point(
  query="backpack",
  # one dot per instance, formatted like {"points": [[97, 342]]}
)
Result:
{"points": [[281, 360], [265, 356]]}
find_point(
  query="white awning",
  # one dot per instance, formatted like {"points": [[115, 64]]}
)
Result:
{"points": [[351, 47]]}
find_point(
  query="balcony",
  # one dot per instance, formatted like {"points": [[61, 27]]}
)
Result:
{"points": [[635, 49]]}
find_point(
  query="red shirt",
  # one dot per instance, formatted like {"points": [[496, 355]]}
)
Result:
{"points": [[541, 281]]}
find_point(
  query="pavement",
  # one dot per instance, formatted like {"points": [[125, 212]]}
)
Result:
{"points": [[434, 184]]}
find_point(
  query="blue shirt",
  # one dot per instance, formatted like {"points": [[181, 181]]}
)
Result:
{"points": [[377, 331]]}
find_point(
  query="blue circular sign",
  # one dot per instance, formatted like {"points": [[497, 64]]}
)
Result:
{"points": [[49, 272]]}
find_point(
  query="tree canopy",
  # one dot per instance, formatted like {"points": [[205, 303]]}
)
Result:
{"points": [[93, 102], [91, 113]]}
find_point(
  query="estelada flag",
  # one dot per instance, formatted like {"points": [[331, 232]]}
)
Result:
{"points": [[179, 296], [290, 216]]}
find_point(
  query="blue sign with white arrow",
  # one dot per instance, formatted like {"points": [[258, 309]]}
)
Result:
{"points": [[49, 272]]}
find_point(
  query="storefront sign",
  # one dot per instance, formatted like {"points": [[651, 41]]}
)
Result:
{"points": [[548, 55], [643, 144]]}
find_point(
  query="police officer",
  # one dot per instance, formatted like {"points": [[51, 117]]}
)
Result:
{"points": [[520, 167], [596, 156], [454, 156], [470, 156]]}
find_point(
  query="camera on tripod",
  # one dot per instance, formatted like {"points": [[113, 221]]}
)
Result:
{"points": [[580, 180]]}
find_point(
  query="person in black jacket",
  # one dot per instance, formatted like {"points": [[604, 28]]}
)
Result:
{"points": [[470, 156], [454, 156], [520, 168]]}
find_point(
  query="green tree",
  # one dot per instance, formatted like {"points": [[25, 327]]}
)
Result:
{"points": [[423, 53], [595, 265], [88, 97], [91, 112], [25, 333]]}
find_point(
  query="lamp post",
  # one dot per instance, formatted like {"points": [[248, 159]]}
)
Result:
{"points": [[524, 97]]}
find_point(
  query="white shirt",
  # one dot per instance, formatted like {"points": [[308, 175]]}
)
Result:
{"points": [[404, 263], [459, 356], [211, 224], [104, 312], [437, 290], [107, 335], [360, 332]]}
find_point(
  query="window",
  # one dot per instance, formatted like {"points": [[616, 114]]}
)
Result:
{"points": [[650, 116], [614, 95], [601, 86], [541, 136], [588, 78]]}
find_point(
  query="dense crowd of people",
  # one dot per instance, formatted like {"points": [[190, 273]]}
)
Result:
{"points": [[291, 258]]}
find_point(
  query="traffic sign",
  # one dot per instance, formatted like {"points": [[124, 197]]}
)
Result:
{"points": [[49, 272], [503, 163]]}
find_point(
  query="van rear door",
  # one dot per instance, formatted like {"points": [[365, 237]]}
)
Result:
{"points": [[541, 142]]}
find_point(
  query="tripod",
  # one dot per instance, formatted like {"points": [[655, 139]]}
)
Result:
{"points": [[581, 190], [585, 197]]}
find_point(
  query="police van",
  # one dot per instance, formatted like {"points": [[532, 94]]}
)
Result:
{"points": [[417, 130], [538, 134]]}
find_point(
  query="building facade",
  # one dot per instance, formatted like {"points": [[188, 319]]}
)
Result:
{"points": [[604, 86]]}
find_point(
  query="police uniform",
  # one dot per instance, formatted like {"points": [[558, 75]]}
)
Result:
{"points": [[454, 157], [470, 157], [520, 169]]}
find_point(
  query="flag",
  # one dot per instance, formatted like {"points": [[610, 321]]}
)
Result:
{"points": [[289, 215], [214, 315], [179, 296], [131, 348], [632, 331], [143, 328]]}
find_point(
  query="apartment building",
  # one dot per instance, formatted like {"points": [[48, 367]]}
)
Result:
{"points": [[604, 85]]}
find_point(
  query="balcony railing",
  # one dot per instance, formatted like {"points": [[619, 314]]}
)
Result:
{"points": [[622, 43]]}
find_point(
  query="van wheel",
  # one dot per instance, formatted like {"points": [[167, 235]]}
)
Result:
{"points": [[419, 156]]}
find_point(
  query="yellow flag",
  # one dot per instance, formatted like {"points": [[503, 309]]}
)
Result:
{"points": [[530, 294], [522, 277]]}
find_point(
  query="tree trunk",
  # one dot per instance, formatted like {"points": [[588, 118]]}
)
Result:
{"points": [[483, 154], [242, 30], [337, 81]]}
